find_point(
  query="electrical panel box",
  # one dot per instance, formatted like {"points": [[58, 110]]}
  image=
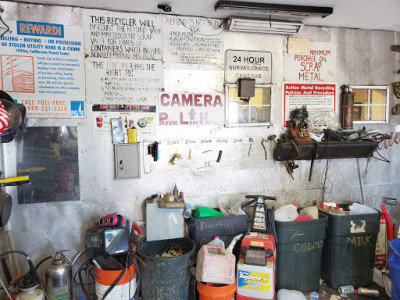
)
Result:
{"points": [[127, 161]]}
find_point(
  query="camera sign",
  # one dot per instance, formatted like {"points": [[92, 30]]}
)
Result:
{"points": [[248, 64]]}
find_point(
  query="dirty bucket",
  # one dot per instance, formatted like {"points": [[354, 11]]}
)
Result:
{"points": [[125, 288], [165, 278], [394, 268], [226, 292]]}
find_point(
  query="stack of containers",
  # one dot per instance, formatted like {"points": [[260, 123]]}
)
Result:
{"points": [[349, 250], [215, 272]]}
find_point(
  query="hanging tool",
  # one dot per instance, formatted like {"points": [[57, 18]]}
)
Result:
{"points": [[262, 144], [272, 138], [175, 156], [251, 144], [153, 150], [314, 156], [219, 156], [290, 166]]}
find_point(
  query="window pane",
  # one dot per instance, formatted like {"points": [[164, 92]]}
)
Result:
{"points": [[360, 113], [378, 96], [233, 94], [264, 114], [262, 96], [360, 96], [378, 113], [252, 111], [234, 113], [249, 114]]}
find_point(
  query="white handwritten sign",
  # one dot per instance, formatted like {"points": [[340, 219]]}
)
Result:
{"points": [[121, 81], [318, 65], [191, 109], [248, 64], [189, 40], [122, 35]]}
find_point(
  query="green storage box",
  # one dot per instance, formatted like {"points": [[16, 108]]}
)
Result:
{"points": [[299, 252], [349, 250]]}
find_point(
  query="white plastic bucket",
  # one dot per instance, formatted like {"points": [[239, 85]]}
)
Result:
{"points": [[119, 292]]}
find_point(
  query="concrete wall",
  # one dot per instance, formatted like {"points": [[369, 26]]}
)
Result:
{"points": [[363, 58]]}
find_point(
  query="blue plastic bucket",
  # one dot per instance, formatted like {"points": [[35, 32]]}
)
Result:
{"points": [[394, 268]]}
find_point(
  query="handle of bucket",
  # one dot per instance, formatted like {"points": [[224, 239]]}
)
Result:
{"points": [[114, 283]]}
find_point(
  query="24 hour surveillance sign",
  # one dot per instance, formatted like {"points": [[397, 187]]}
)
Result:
{"points": [[248, 64]]}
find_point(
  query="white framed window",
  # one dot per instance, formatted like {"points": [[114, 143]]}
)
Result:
{"points": [[371, 104], [255, 111]]}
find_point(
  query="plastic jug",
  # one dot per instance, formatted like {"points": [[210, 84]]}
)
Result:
{"points": [[215, 265]]}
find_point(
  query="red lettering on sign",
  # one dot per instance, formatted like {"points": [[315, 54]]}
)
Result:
{"points": [[217, 101], [207, 100], [164, 98], [187, 100], [163, 116], [197, 98], [175, 100], [181, 119]]}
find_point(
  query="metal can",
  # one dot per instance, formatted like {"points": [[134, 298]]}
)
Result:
{"points": [[346, 289], [368, 292]]}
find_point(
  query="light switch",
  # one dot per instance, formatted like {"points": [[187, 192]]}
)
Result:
{"points": [[127, 161]]}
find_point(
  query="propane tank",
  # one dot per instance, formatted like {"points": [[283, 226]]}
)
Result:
{"points": [[347, 107], [59, 278]]}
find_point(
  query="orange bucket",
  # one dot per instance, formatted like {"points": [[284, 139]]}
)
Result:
{"points": [[226, 292], [107, 277]]}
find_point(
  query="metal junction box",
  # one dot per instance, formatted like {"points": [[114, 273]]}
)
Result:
{"points": [[127, 161]]}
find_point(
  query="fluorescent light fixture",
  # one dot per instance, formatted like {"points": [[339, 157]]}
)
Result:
{"points": [[263, 25], [275, 9]]}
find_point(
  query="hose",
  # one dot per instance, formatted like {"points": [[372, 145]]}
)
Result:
{"points": [[31, 266], [4, 287]]}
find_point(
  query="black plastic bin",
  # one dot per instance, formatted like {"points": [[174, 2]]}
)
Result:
{"points": [[349, 250], [203, 230], [299, 253], [165, 278]]}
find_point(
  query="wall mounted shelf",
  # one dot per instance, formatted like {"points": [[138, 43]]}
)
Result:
{"points": [[332, 149]]}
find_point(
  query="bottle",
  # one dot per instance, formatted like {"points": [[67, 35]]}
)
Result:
{"points": [[59, 278], [175, 193], [217, 242], [132, 135]]}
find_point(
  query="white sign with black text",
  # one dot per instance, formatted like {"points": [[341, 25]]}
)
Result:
{"points": [[248, 64]]}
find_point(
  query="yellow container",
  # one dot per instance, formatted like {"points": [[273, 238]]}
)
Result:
{"points": [[132, 135]]}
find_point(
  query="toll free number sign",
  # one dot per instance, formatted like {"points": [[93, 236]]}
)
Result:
{"points": [[248, 64]]}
